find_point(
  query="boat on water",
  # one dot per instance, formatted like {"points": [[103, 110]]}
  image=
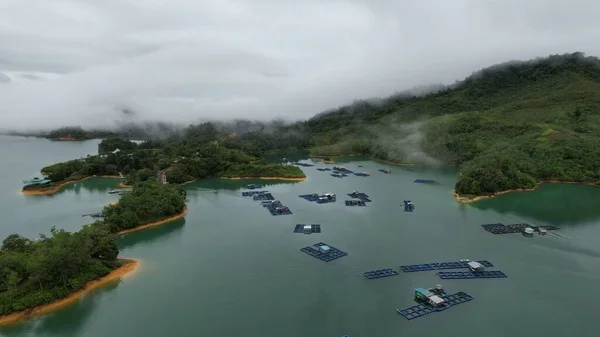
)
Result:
{"points": [[528, 231], [542, 230]]}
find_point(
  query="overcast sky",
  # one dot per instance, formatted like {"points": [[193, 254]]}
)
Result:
{"points": [[78, 62]]}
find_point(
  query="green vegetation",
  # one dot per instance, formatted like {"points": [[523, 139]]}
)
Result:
{"points": [[148, 202], [76, 133], [508, 126], [36, 272], [114, 143]]}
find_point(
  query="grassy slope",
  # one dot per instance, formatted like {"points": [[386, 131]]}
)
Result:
{"points": [[508, 127]]}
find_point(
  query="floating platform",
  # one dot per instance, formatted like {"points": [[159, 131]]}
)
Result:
{"points": [[359, 195], [461, 275], [362, 174], [319, 198], [409, 206], [355, 203], [323, 169], [342, 169], [323, 251], [276, 208], [253, 193], [386, 171], [425, 308], [424, 181], [303, 164], [263, 197], [441, 265], [371, 275], [339, 175], [302, 228], [254, 186], [498, 228], [93, 215]]}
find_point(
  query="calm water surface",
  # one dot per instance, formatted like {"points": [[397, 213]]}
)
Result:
{"points": [[230, 268]]}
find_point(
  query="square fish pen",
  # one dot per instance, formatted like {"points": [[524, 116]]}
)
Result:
{"points": [[355, 203], [323, 252], [307, 229]]}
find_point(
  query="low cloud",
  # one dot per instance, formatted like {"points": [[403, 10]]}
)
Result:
{"points": [[84, 62]]}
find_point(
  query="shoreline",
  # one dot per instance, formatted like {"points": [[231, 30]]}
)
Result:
{"points": [[128, 267], [370, 158], [123, 185], [57, 188], [153, 224], [467, 199], [263, 178]]}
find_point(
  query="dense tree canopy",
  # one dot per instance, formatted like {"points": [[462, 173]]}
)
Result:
{"points": [[35, 272]]}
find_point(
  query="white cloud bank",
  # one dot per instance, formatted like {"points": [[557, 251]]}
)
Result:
{"points": [[76, 62]]}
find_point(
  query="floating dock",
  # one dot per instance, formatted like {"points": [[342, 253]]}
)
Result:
{"points": [[119, 191], [303, 164], [342, 169], [386, 171], [362, 174], [319, 198], [307, 229], [426, 308], [424, 181], [498, 228], [263, 197], [93, 215], [253, 193], [276, 208], [359, 195], [323, 251], [355, 203], [323, 169], [461, 275], [339, 175], [441, 266], [409, 206], [253, 186], [371, 275]]}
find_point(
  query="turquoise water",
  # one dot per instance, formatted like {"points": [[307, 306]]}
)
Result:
{"points": [[230, 268]]}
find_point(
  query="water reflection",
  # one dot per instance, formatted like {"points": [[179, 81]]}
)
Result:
{"points": [[65, 322], [151, 234], [554, 204]]}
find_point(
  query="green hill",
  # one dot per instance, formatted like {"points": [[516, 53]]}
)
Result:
{"points": [[508, 126]]}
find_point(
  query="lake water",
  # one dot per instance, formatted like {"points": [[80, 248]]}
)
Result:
{"points": [[230, 268]]}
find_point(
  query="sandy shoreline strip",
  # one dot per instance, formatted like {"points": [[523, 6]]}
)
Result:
{"points": [[128, 266], [471, 199], [152, 224], [123, 185], [58, 187], [263, 178]]}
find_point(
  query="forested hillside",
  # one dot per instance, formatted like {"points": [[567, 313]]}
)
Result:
{"points": [[508, 126]]}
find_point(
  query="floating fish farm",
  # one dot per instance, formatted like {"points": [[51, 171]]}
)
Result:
{"points": [[355, 203], [324, 252], [276, 208], [303, 164], [362, 174], [339, 175], [307, 229], [433, 301], [319, 198], [342, 169], [252, 193], [323, 169], [461, 275], [424, 181], [263, 197], [253, 186], [409, 206], [93, 215], [498, 228], [375, 274], [441, 265], [386, 171], [359, 195]]}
